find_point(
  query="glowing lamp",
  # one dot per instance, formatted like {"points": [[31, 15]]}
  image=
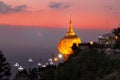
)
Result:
{"points": [[116, 37], [60, 56], [55, 59], [91, 42]]}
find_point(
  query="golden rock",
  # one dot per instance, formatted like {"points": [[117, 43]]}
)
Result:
{"points": [[66, 43]]}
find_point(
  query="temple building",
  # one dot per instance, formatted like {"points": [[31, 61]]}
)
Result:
{"points": [[65, 44], [107, 39]]}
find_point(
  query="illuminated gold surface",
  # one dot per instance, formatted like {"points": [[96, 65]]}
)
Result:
{"points": [[66, 42]]}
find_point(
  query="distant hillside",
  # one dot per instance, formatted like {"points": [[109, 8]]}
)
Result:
{"points": [[85, 65]]}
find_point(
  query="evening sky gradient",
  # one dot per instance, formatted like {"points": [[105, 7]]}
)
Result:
{"points": [[33, 28], [86, 14]]}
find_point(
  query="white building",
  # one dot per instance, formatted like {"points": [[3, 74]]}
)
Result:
{"points": [[107, 39]]}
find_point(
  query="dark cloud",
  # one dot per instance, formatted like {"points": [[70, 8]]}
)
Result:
{"points": [[58, 5], [5, 8]]}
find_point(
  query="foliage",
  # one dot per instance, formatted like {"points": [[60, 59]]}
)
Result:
{"points": [[117, 44], [4, 68], [116, 31], [88, 65], [85, 65], [47, 73]]}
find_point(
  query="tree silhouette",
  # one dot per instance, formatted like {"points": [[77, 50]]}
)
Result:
{"points": [[4, 68], [116, 31]]}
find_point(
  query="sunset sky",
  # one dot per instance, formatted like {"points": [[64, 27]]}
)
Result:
{"points": [[86, 14], [33, 28]]}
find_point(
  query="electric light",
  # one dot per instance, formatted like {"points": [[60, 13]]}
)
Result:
{"points": [[50, 59], [91, 42], [16, 64], [55, 59], [116, 37], [100, 36], [39, 64], [20, 68], [30, 60], [60, 56], [51, 63], [44, 66]]}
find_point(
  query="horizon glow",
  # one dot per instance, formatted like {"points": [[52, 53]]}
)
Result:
{"points": [[86, 14]]}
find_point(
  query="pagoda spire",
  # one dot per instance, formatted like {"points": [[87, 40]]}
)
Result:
{"points": [[70, 27], [70, 31]]}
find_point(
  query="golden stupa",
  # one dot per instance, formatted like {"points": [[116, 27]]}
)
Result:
{"points": [[66, 43]]}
